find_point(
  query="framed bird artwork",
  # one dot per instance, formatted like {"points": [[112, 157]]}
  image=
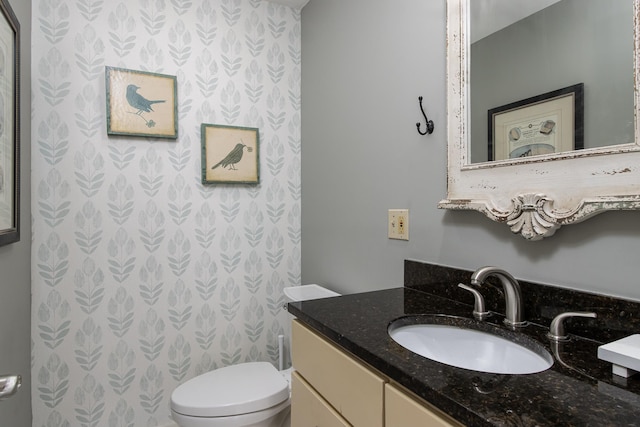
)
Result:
{"points": [[230, 154], [140, 103]]}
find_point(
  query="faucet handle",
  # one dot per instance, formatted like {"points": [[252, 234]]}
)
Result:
{"points": [[556, 330], [479, 311]]}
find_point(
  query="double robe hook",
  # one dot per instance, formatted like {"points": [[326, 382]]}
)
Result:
{"points": [[429, 122]]}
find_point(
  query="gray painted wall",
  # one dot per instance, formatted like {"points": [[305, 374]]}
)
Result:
{"points": [[15, 285], [364, 63]]}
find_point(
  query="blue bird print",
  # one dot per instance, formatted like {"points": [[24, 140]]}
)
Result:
{"points": [[140, 103]]}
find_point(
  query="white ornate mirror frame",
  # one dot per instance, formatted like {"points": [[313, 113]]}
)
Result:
{"points": [[536, 196]]}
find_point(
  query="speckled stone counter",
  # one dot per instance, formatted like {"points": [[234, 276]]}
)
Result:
{"points": [[578, 390]]}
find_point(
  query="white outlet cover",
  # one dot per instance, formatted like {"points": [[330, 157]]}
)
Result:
{"points": [[396, 216]]}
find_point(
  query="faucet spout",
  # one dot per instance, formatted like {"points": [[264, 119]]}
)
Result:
{"points": [[513, 296]]}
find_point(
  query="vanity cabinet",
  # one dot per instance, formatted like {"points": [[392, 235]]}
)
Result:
{"points": [[354, 391], [330, 388]]}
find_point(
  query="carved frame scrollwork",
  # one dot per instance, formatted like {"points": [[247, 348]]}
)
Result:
{"points": [[533, 196]]}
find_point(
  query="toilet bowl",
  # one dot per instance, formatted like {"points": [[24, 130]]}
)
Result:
{"points": [[248, 394], [252, 394]]}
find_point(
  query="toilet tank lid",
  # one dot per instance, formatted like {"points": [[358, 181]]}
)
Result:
{"points": [[232, 390], [307, 292]]}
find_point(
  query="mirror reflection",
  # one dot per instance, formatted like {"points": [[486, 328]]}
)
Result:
{"points": [[549, 76]]}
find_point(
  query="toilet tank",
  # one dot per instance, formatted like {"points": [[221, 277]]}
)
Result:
{"points": [[293, 294], [307, 292]]}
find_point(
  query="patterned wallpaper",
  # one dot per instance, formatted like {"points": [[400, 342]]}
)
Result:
{"points": [[141, 276]]}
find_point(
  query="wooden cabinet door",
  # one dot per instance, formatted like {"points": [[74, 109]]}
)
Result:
{"points": [[402, 410], [309, 409]]}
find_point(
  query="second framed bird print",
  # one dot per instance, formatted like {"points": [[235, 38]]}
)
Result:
{"points": [[140, 103], [230, 154]]}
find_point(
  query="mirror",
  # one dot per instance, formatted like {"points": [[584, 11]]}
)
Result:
{"points": [[523, 49], [591, 168]]}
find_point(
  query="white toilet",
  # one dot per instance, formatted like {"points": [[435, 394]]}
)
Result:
{"points": [[253, 394]]}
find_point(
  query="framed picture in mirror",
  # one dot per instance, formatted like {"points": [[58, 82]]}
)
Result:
{"points": [[544, 124]]}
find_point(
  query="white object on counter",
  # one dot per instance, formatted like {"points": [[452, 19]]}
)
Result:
{"points": [[308, 292], [624, 354]]}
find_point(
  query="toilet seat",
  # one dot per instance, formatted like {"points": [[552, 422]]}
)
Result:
{"points": [[232, 390]]}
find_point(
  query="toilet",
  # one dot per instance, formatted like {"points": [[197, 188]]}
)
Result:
{"points": [[252, 394]]}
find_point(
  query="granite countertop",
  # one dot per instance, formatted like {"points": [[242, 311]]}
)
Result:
{"points": [[578, 390]]}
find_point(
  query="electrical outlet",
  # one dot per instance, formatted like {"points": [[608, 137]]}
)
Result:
{"points": [[398, 224]]}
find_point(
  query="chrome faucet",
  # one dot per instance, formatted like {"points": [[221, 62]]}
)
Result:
{"points": [[512, 293]]}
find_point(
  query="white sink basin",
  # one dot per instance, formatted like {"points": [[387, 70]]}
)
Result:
{"points": [[473, 349]]}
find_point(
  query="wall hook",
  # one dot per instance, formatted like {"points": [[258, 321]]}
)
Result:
{"points": [[429, 122]]}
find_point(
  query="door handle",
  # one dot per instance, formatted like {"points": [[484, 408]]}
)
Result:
{"points": [[9, 385]]}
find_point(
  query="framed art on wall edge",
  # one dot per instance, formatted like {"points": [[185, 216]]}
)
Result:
{"points": [[9, 126]]}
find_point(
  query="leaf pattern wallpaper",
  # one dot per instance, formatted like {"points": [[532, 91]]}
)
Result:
{"points": [[141, 276]]}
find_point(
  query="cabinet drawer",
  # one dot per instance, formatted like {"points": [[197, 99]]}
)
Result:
{"points": [[354, 391], [403, 410], [308, 408]]}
